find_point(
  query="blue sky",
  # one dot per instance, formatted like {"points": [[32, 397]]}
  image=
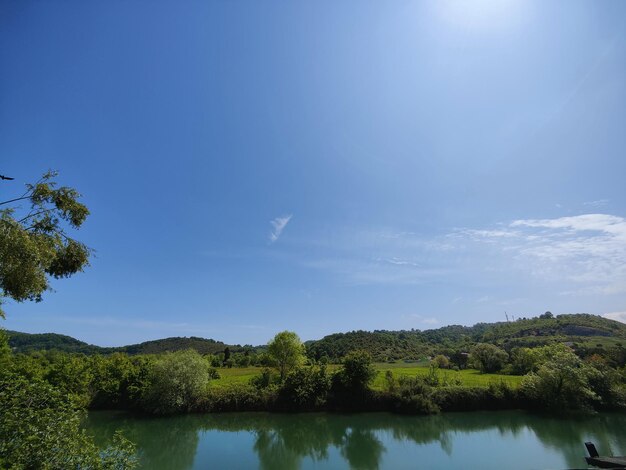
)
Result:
{"points": [[322, 166]]}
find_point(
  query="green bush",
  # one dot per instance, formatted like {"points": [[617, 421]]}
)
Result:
{"points": [[562, 382], [306, 388], [488, 358], [350, 385], [239, 397], [413, 395], [40, 429], [177, 383], [495, 397]]}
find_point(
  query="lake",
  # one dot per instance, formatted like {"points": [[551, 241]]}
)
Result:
{"points": [[481, 440]]}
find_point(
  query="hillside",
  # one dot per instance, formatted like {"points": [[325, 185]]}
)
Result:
{"points": [[27, 342], [582, 329], [202, 345]]}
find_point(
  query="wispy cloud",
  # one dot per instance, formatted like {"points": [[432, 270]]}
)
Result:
{"points": [[618, 316], [581, 255], [424, 320], [588, 249], [278, 224], [107, 321], [597, 203]]}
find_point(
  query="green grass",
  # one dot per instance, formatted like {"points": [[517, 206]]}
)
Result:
{"points": [[469, 377], [235, 375]]}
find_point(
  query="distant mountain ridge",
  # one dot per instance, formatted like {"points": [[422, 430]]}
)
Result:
{"points": [[382, 344]]}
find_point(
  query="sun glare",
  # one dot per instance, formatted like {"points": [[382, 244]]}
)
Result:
{"points": [[481, 15]]}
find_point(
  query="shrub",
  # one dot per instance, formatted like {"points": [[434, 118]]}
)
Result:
{"points": [[562, 381], [238, 397], [488, 358], [413, 396], [40, 428], [495, 397], [350, 385], [177, 383], [305, 388]]}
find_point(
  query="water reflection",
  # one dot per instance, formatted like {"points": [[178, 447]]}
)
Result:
{"points": [[360, 441]]}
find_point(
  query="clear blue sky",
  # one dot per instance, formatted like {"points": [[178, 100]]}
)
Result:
{"points": [[322, 166]]}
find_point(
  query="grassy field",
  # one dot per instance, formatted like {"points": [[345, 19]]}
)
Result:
{"points": [[468, 377]]}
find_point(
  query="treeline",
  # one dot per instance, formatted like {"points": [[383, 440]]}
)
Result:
{"points": [[186, 381], [584, 331], [29, 342]]}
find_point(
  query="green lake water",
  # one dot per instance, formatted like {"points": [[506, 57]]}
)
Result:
{"points": [[479, 440]]}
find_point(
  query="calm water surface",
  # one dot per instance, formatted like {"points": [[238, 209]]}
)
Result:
{"points": [[481, 440]]}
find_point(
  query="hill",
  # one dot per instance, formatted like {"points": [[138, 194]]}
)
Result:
{"points": [[202, 345], [27, 342], [584, 330]]}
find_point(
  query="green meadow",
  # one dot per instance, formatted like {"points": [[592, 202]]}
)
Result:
{"points": [[467, 377]]}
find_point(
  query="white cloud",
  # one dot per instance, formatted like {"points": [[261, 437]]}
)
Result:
{"points": [[598, 203], [618, 316], [278, 224], [357, 271], [582, 255], [140, 324], [424, 320], [588, 250]]}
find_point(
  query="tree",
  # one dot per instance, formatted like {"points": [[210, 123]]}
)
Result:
{"points": [[488, 358], [562, 381], [40, 427], [358, 370], [177, 383], [34, 244], [441, 361], [287, 351]]}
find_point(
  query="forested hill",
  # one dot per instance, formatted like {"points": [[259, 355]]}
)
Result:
{"points": [[27, 342], [581, 329]]}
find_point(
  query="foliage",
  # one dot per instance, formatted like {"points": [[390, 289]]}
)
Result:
{"points": [[5, 351], [562, 381], [584, 331], [287, 351], [238, 397], [118, 381], [441, 361], [177, 383], [350, 385], [28, 342], [454, 340], [40, 428], [413, 395], [263, 380], [524, 360], [457, 398], [382, 345], [488, 358], [305, 388], [34, 244]]}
